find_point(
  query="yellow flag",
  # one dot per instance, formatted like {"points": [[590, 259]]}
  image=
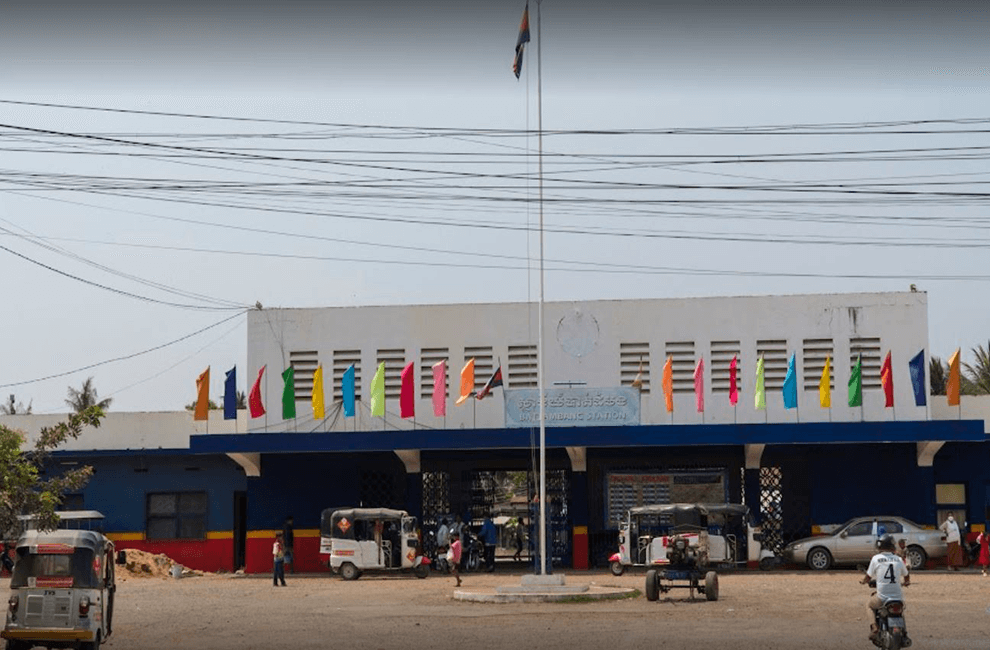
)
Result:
{"points": [[467, 382], [825, 385], [318, 410], [952, 383]]}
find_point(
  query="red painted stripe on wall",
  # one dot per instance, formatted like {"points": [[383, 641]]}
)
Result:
{"points": [[203, 555], [306, 555]]}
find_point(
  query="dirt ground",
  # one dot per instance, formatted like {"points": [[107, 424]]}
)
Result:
{"points": [[754, 610]]}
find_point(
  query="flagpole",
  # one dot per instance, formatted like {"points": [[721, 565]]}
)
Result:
{"points": [[539, 340]]}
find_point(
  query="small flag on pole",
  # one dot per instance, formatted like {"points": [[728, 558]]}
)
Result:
{"points": [[378, 392], [494, 381], [699, 384], [668, 384], [952, 382], [856, 383], [733, 389], [440, 388], [289, 393], [202, 411], [254, 399], [790, 383], [319, 409], [521, 42], [887, 382], [637, 381], [760, 396], [825, 385], [467, 382], [407, 392], [347, 391], [230, 395], [917, 367]]}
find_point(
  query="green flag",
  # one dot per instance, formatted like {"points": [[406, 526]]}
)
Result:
{"points": [[761, 392], [856, 383], [378, 392], [289, 394]]}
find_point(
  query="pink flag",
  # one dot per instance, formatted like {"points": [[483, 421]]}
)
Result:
{"points": [[254, 399], [733, 390], [440, 388], [407, 393], [699, 384]]}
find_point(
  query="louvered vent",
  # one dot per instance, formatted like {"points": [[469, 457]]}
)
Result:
{"points": [[869, 348], [428, 357], [774, 353], [522, 366], [342, 360], [682, 364], [303, 366], [814, 353], [483, 364], [721, 359], [633, 358], [395, 360]]}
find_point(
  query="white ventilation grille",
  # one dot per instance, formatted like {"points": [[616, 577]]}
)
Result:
{"points": [[634, 357], [342, 360], [721, 359], [869, 348], [395, 361], [427, 358], [813, 355], [484, 362], [682, 364], [774, 353], [522, 370], [303, 366]]}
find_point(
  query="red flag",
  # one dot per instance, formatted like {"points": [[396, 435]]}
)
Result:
{"points": [[254, 399], [407, 393], [887, 381], [733, 390]]}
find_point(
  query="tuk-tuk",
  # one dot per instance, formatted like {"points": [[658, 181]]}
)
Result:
{"points": [[62, 588], [646, 533], [371, 539]]}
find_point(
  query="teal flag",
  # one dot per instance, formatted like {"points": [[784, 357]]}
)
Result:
{"points": [[790, 384]]}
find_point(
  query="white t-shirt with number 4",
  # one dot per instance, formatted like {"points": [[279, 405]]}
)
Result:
{"points": [[888, 570]]}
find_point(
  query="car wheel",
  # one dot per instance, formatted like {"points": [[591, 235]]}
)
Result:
{"points": [[348, 571], [916, 558], [711, 585], [422, 570], [819, 559], [617, 568], [652, 585]]}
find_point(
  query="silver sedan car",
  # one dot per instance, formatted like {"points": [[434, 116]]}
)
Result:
{"points": [[854, 542]]}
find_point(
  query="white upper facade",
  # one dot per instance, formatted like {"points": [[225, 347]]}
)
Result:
{"points": [[596, 344]]}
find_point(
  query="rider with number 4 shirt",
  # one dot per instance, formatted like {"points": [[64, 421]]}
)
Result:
{"points": [[887, 570]]}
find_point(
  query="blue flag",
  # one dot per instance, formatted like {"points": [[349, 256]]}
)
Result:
{"points": [[917, 366], [790, 384], [347, 391], [230, 395]]}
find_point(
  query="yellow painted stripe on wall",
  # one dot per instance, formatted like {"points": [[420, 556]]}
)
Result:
{"points": [[220, 534], [816, 530], [977, 528], [307, 532], [259, 534], [580, 530], [126, 537]]}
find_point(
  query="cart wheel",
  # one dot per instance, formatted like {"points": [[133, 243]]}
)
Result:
{"points": [[348, 571], [617, 568], [652, 585], [422, 571], [711, 585], [766, 563]]}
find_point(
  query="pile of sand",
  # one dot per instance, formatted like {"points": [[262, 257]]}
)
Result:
{"points": [[141, 564]]}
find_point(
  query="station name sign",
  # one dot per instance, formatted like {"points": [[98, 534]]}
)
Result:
{"points": [[573, 407]]}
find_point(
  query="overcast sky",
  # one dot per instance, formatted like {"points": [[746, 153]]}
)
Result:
{"points": [[363, 213]]}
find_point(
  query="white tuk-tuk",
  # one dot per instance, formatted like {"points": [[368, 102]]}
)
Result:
{"points": [[647, 532], [62, 589], [371, 539]]}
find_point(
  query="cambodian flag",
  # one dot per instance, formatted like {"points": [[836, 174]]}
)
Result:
{"points": [[521, 42]]}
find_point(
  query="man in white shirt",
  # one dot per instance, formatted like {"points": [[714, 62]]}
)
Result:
{"points": [[443, 540], [952, 539], [888, 571]]}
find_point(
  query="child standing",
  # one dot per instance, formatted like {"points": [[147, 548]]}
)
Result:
{"points": [[984, 541], [278, 565], [455, 556]]}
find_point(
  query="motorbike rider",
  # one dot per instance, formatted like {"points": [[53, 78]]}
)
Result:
{"points": [[887, 570]]}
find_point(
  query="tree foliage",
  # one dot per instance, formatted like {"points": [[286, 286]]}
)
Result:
{"points": [[212, 406], [938, 375], [84, 397], [13, 407], [978, 373], [23, 490]]}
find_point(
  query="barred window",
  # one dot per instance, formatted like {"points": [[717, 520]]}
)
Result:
{"points": [[177, 515]]}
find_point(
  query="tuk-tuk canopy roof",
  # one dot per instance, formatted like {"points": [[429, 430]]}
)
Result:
{"points": [[700, 508], [369, 513], [88, 539]]}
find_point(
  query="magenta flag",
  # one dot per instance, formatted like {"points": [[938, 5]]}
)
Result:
{"points": [[699, 384], [407, 393], [440, 388], [733, 390]]}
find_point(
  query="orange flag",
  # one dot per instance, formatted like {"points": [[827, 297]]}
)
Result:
{"points": [[467, 382], [952, 383], [668, 384], [202, 396]]}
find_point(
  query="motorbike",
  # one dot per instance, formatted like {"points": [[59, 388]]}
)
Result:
{"points": [[891, 626], [474, 552]]}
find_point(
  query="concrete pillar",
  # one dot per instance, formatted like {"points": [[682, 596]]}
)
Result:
{"points": [[580, 552]]}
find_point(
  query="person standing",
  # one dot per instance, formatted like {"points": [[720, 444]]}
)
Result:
{"points": [[278, 564], [455, 557], [983, 539], [901, 551], [443, 540], [954, 560], [489, 536], [518, 538], [288, 538]]}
